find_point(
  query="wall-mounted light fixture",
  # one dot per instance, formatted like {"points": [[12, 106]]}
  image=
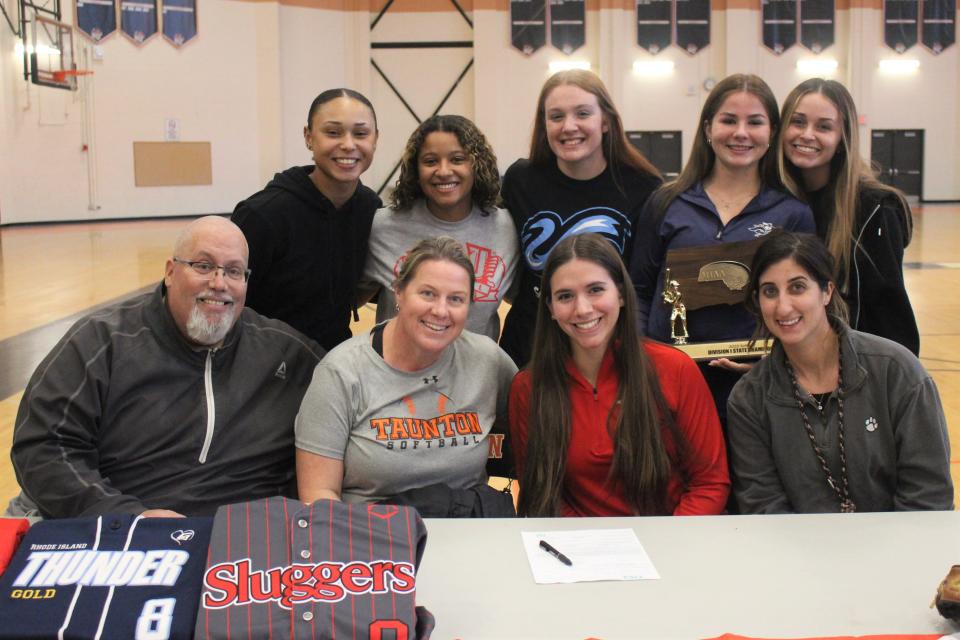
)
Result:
{"points": [[899, 66], [566, 65], [817, 66], [653, 68]]}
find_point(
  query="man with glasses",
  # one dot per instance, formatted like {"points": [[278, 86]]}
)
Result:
{"points": [[173, 402]]}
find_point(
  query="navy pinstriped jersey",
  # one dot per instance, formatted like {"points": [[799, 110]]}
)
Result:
{"points": [[282, 569], [115, 576]]}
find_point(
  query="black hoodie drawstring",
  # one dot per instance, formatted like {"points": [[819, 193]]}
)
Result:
{"points": [[353, 268]]}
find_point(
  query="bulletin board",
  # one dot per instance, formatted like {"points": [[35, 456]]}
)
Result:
{"points": [[168, 164]]}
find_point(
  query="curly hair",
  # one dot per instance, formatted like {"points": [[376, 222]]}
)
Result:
{"points": [[486, 176]]}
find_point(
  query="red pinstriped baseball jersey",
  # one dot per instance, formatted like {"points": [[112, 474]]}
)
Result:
{"points": [[278, 568]]}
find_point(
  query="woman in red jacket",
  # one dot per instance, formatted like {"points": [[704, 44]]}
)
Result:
{"points": [[602, 422]]}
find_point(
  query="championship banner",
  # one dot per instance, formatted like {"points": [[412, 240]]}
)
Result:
{"points": [[568, 24], [779, 24], [816, 24], [179, 21], [654, 24], [939, 27], [900, 23], [693, 24], [96, 19], [138, 19], [528, 27]]}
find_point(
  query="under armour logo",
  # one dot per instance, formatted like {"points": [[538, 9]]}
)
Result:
{"points": [[431, 379], [871, 424], [383, 511], [281, 371], [181, 535]]}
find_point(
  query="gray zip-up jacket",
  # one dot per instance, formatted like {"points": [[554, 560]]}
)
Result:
{"points": [[895, 434], [123, 415]]}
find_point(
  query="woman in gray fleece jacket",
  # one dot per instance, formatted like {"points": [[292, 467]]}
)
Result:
{"points": [[833, 419]]}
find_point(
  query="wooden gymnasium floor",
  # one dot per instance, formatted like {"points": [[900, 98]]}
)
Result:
{"points": [[52, 274]]}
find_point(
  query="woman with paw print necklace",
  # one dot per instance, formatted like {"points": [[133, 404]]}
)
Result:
{"points": [[834, 419]]}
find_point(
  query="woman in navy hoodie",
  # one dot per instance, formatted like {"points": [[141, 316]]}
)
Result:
{"points": [[308, 229], [727, 192]]}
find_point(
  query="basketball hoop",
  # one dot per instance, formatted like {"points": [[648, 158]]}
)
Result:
{"points": [[48, 51], [61, 76]]}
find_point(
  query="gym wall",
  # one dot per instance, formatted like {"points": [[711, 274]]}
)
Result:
{"points": [[245, 82]]}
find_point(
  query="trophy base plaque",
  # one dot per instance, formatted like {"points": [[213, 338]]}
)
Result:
{"points": [[734, 349]]}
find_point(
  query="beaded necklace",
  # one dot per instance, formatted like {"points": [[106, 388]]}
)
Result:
{"points": [[843, 488]]}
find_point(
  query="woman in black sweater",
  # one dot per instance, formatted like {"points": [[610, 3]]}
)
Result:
{"points": [[582, 176], [865, 224]]}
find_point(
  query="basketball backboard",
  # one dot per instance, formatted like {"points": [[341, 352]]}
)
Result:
{"points": [[48, 52]]}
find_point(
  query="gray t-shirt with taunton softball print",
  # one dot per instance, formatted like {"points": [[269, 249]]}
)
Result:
{"points": [[397, 430]]}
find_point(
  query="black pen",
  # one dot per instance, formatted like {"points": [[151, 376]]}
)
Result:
{"points": [[546, 546]]}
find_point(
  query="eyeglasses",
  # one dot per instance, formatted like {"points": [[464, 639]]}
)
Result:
{"points": [[204, 268]]}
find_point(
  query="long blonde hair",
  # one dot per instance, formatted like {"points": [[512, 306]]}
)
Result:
{"points": [[850, 174]]}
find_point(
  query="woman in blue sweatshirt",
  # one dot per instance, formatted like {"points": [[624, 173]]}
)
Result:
{"points": [[727, 192]]}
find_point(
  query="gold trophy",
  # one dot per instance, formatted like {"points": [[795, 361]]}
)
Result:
{"points": [[710, 275], [678, 311]]}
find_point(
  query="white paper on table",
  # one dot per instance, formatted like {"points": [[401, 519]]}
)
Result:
{"points": [[596, 554]]}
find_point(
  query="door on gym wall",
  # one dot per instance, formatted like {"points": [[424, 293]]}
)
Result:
{"points": [[662, 148], [898, 154]]}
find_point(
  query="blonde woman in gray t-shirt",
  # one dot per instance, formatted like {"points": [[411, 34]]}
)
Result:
{"points": [[414, 401], [448, 186]]}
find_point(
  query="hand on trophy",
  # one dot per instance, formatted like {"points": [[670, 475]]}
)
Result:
{"points": [[730, 365]]}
